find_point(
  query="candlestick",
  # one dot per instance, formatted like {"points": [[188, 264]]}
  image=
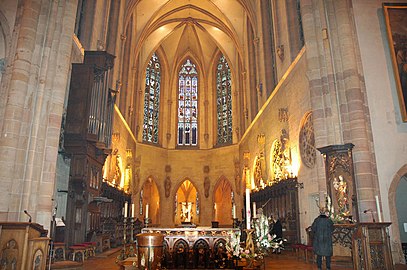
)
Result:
{"points": [[125, 209], [132, 229], [248, 208], [132, 210], [146, 211], [378, 208], [234, 211], [254, 210]]}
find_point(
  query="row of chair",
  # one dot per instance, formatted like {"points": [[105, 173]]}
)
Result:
{"points": [[304, 252], [77, 252]]}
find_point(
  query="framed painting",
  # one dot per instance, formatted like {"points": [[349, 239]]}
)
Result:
{"points": [[396, 24]]}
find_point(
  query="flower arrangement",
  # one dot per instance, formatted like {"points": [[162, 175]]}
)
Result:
{"points": [[258, 244], [336, 217]]}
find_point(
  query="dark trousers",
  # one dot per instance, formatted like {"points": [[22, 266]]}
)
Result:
{"points": [[327, 259]]}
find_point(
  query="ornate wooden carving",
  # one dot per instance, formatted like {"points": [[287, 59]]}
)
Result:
{"points": [[341, 187], [280, 200], [371, 247], [23, 245]]}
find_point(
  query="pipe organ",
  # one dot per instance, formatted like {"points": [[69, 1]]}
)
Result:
{"points": [[87, 139]]}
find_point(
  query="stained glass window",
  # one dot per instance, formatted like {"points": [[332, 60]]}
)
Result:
{"points": [[224, 102], [152, 100], [188, 104]]}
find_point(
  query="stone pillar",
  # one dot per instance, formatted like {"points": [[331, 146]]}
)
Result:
{"points": [[33, 111], [337, 93]]}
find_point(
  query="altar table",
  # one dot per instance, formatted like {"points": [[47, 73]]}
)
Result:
{"points": [[200, 247], [211, 236]]}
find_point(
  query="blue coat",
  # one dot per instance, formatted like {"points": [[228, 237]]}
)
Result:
{"points": [[322, 229]]}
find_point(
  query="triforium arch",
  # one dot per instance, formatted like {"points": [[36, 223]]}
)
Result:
{"points": [[186, 199], [394, 218], [150, 200], [223, 199]]}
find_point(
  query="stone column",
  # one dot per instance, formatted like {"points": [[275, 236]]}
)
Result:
{"points": [[33, 111], [337, 93]]}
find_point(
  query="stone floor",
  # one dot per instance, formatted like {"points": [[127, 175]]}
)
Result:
{"points": [[284, 261]]}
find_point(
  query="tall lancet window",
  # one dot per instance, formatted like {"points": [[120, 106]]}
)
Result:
{"points": [[188, 104], [152, 100], [224, 102]]}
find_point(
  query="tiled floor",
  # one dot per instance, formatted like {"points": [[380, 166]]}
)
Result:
{"points": [[285, 261]]}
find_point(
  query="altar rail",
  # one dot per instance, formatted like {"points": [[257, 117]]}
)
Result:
{"points": [[193, 247]]}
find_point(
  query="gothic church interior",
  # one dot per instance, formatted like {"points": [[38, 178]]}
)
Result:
{"points": [[184, 110]]}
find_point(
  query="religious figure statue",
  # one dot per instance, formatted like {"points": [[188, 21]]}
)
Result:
{"points": [[186, 211], [342, 196]]}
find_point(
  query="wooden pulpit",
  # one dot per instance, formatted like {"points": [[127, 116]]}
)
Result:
{"points": [[23, 245], [371, 247]]}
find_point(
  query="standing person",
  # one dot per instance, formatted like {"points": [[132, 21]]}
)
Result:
{"points": [[322, 228], [278, 231]]}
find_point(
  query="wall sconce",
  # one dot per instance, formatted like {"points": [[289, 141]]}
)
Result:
{"points": [[299, 185], [129, 153], [260, 88], [100, 45], [116, 137], [280, 51], [283, 114]]}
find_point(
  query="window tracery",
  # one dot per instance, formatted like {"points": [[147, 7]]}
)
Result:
{"points": [[224, 102], [152, 100], [188, 104], [307, 142]]}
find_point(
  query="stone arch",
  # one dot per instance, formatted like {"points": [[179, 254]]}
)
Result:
{"points": [[222, 203], [397, 252], [186, 190], [151, 197]]}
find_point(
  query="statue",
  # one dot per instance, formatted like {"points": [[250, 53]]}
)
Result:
{"points": [[341, 190], [186, 212]]}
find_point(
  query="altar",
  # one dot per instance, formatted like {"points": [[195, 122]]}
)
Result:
{"points": [[193, 247]]}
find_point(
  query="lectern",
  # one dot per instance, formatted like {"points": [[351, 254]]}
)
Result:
{"points": [[371, 247], [23, 245]]}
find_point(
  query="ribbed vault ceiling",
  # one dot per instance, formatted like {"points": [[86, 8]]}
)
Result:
{"points": [[199, 28]]}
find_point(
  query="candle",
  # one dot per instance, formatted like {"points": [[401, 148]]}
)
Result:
{"points": [[234, 210], [248, 208], [146, 210], [132, 210], [378, 208], [254, 210], [125, 209]]}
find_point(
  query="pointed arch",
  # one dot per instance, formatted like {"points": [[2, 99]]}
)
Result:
{"points": [[222, 202], [188, 104], [152, 100], [150, 195], [223, 101], [394, 218], [186, 202]]}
